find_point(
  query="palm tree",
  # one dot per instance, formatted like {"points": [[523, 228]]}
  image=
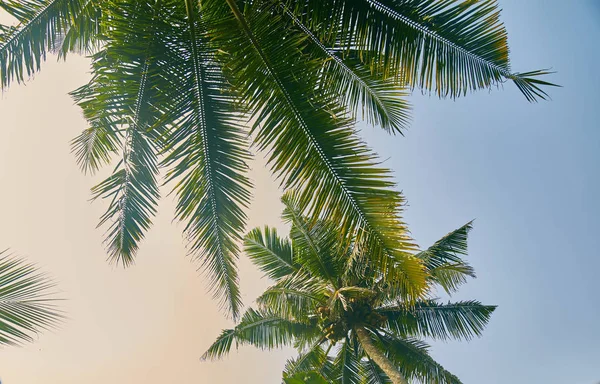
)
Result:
{"points": [[350, 322], [183, 85], [26, 306]]}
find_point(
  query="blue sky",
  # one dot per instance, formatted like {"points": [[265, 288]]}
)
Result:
{"points": [[529, 174]]}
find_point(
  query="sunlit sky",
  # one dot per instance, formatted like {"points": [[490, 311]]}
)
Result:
{"points": [[528, 173]]}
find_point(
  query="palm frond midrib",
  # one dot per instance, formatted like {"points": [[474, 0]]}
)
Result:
{"points": [[25, 27], [504, 70]]}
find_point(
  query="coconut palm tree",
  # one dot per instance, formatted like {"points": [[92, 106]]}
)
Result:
{"points": [[26, 306], [184, 85], [350, 322]]}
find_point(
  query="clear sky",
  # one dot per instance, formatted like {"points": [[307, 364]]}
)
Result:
{"points": [[529, 175]]}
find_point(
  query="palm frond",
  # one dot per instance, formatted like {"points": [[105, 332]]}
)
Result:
{"points": [[413, 359], [24, 47], [314, 359], [120, 102], [448, 46], [261, 329], [26, 303], [460, 320], [444, 262], [295, 296], [315, 244], [305, 378], [269, 252], [372, 374], [381, 101], [83, 35], [133, 195], [451, 276], [96, 145], [346, 365], [206, 156]]}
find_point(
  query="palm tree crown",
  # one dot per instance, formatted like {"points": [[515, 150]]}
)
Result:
{"points": [[350, 322], [181, 85], [26, 306]]}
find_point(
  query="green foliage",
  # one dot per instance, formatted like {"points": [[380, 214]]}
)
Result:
{"points": [[447, 46], [188, 86], [443, 260], [26, 304], [460, 320], [412, 358], [322, 301], [272, 254], [305, 378], [264, 329], [43, 26]]}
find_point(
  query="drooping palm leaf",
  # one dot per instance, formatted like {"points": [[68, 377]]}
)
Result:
{"points": [[26, 303], [347, 365], [261, 329], [314, 359], [448, 46], [373, 374], [44, 25], [206, 155], [313, 146], [379, 101], [95, 146], [84, 34], [414, 361], [119, 101]]}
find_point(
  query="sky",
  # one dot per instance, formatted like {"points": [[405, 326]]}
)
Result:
{"points": [[527, 173]]}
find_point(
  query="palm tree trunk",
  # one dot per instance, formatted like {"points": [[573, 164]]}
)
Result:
{"points": [[378, 356]]}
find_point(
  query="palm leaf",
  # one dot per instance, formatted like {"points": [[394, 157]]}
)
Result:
{"points": [[414, 361], [315, 244], [269, 252], [120, 102], [96, 145], [346, 365], [41, 24], [314, 359], [380, 100], [448, 46], [400, 269], [451, 276], [295, 296], [206, 156], [372, 374], [133, 195], [26, 303], [305, 378], [261, 329], [83, 35], [443, 259], [460, 320]]}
